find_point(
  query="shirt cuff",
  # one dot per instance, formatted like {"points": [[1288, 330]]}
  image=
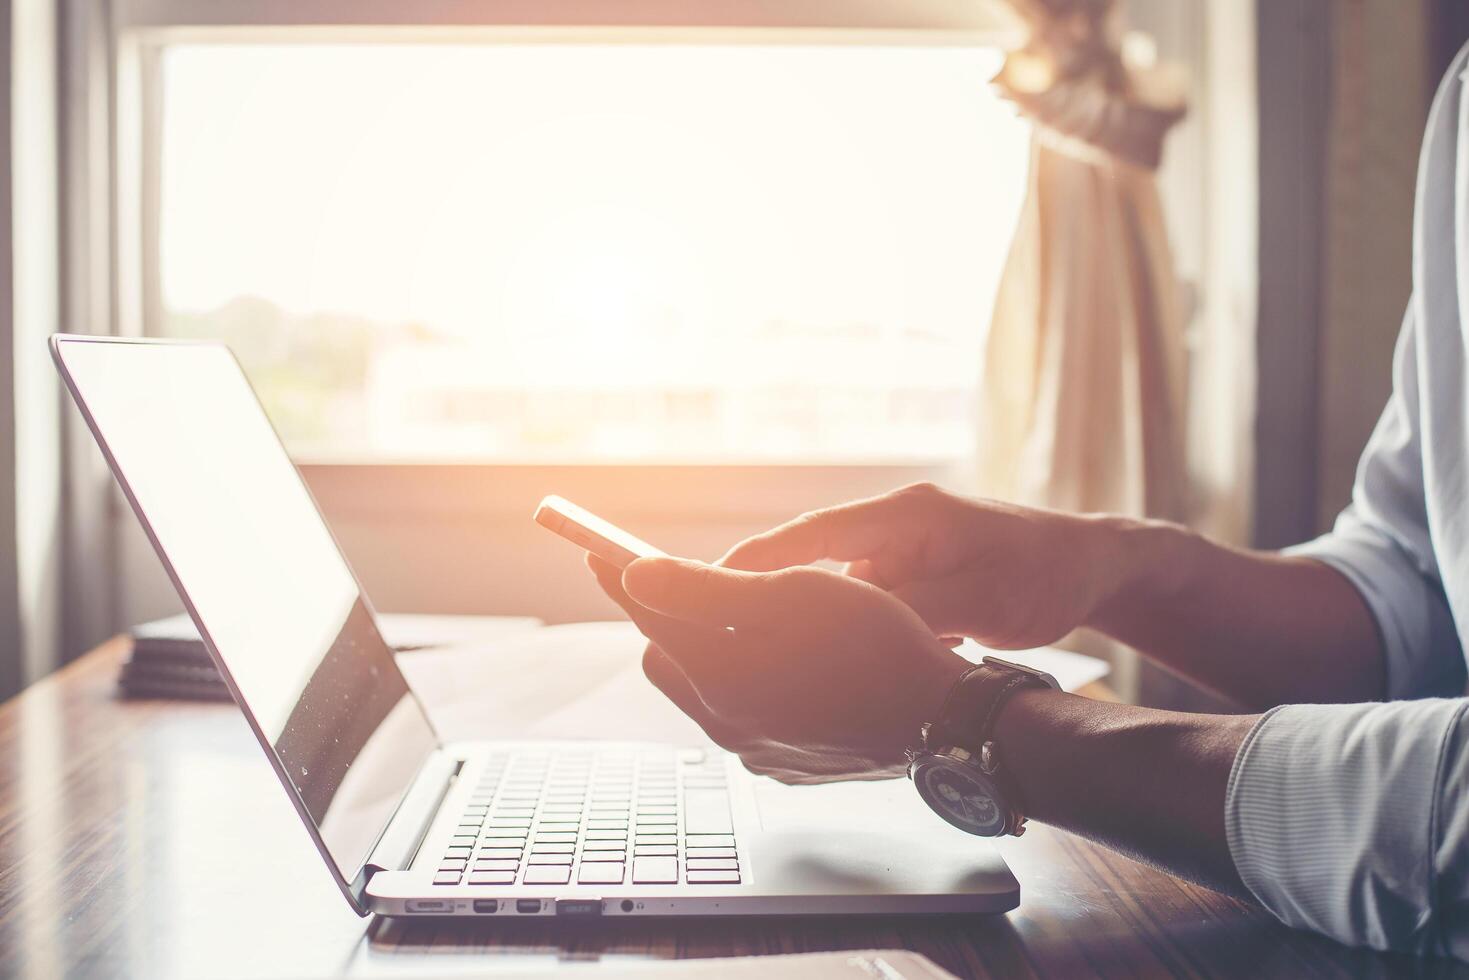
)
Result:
{"points": [[1420, 643], [1330, 813]]}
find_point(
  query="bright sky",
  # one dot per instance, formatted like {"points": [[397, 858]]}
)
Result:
{"points": [[578, 192]]}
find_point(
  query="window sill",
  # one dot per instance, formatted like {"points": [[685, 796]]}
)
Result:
{"points": [[694, 492]]}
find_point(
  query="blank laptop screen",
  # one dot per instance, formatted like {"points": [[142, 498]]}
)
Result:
{"points": [[265, 580]]}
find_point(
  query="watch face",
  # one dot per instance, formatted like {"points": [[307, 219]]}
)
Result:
{"points": [[962, 795]]}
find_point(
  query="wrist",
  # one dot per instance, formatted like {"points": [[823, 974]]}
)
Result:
{"points": [[961, 770], [930, 693], [1134, 564]]}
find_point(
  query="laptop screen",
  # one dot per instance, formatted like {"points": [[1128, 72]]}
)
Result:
{"points": [[263, 577]]}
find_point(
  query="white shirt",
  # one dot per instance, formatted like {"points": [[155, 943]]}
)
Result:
{"points": [[1353, 820]]}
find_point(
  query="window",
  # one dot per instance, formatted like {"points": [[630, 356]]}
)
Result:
{"points": [[559, 252]]}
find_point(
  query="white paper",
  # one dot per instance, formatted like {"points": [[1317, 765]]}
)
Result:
{"points": [[412, 630]]}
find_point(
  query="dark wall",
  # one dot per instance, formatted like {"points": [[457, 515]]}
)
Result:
{"points": [[10, 633], [1316, 201], [1294, 65], [1450, 33]]}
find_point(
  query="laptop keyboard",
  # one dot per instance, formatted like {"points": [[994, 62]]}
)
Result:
{"points": [[595, 816]]}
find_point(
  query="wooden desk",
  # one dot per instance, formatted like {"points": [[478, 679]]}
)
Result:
{"points": [[151, 839]]}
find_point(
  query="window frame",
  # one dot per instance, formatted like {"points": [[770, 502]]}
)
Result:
{"points": [[142, 28]]}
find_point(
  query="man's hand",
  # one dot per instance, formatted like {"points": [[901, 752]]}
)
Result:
{"points": [[1260, 628], [1011, 577], [807, 675]]}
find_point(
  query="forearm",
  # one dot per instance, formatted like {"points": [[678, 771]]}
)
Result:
{"points": [[1261, 628], [1148, 783]]}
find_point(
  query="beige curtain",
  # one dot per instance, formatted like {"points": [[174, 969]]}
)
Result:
{"points": [[1083, 394]]}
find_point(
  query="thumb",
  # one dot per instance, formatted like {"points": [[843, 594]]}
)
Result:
{"points": [[695, 592]]}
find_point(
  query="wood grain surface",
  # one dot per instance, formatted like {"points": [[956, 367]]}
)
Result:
{"points": [[150, 839]]}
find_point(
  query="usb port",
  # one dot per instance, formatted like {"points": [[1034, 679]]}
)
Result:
{"points": [[425, 905], [578, 906], [527, 905]]}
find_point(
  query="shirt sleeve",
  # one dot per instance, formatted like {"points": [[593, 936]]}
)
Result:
{"points": [[1353, 821], [1381, 544]]}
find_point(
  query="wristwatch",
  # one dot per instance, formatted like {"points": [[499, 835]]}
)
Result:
{"points": [[957, 766]]}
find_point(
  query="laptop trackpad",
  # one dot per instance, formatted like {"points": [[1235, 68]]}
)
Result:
{"points": [[866, 839]]}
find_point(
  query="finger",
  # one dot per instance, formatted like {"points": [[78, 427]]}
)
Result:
{"points": [[609, 577], [676, 637], [843, 533], [666, 675], [866, 571], [661, 669], [694, 592]]}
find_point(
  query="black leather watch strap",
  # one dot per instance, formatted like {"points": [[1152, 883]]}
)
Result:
{"points": [[968, 716]]}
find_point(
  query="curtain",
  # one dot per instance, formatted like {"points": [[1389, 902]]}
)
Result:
{"points": [[1082, 404], [30, 419], [1083, 394]]}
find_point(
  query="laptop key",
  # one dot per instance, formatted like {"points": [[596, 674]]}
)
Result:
{"points": [[492, 877], [448, 878], [598, 833], [712, 877], [709, 852], [453, 864], [499, 852], [605, 845], [712, 864], [657, 839], [565, 859], [497, 864], [656, 850], [695, 839], [547, 874], [603, 856], [655, 871], [554, 848], [600, 873], [556, 838]]}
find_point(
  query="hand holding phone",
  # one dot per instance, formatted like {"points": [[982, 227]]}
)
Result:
{"points": [[602, 538]]}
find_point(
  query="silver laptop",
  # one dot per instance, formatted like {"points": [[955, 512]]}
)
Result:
{"points": [[408, 824]]}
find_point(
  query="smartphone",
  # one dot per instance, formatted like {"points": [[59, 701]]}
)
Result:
{"points": [[602, 538]]}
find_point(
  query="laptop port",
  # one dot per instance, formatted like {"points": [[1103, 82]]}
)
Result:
{"points": [[487, 905], [428, 906], [578, 906], [528, 905]]}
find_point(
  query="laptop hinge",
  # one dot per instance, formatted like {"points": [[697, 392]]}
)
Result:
{"points": [[399, 844]]}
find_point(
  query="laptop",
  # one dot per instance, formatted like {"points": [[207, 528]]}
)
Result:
{"points": [[409, 824]]}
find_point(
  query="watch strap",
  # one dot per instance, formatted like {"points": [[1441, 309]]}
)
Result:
{"points": [[968, 715]]}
